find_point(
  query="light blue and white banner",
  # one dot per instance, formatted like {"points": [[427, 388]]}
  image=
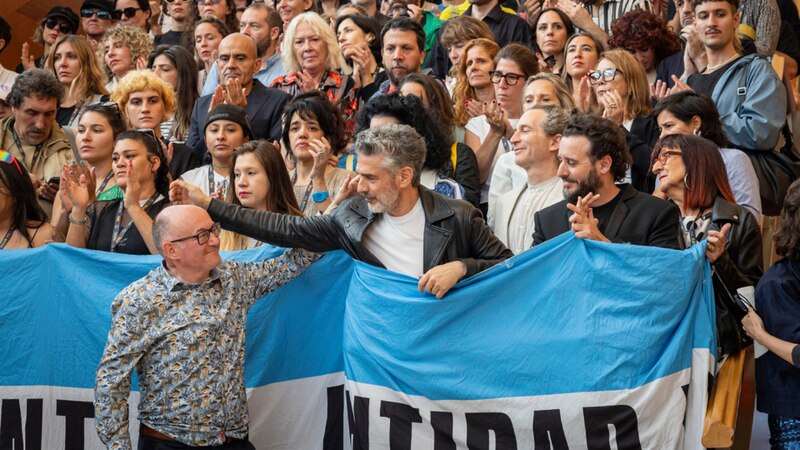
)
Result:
{"points": [[574, 344]]}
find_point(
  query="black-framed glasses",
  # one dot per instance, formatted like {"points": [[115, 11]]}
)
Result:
{"points": [[102, 15], [127, 12], [203, 236], [664, 156], [511, 78], [62, 27], [607, 75]]}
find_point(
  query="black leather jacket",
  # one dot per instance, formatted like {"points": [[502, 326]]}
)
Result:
{"points": [[454, 230], [741, 265]]}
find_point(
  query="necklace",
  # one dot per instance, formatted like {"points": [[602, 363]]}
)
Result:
{"points": [[710, 69]]}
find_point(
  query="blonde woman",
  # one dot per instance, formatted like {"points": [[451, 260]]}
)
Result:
{"points": [[620, 85], [72, 60], [124, 48], [147, 101], [314, 62]]}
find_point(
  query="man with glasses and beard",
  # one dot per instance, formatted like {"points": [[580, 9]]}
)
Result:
{"points": [[593, 156]]}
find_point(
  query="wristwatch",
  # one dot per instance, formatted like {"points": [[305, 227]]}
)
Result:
{"points": [[320, 196]]}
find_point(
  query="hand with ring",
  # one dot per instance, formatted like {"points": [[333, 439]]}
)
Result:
{"points": [[321, 149]]}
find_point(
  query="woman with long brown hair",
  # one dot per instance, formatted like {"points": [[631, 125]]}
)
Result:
{"points": [[72, 60], [260, 181]]}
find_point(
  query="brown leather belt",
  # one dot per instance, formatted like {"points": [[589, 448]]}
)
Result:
{"points": [[146, 431]]}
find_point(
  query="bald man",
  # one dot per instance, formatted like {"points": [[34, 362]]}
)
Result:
{"points": [[237, 63], [182, 327]]}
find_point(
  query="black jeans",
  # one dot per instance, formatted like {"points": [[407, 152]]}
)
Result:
{"points": [[146, 443]]}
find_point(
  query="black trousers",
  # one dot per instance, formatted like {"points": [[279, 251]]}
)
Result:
{"points": [[147, 443]]}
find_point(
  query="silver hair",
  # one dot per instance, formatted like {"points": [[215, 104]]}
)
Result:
{"points": [[400, 145], [554, 120]]}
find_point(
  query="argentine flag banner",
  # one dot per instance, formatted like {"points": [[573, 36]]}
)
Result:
{"points": [[574, 344]]}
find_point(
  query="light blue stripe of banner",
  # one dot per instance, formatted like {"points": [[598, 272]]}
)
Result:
{"points": [[568, 316], [55, 316]]}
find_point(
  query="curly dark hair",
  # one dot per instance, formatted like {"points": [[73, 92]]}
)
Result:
{"points": [[315, 106], [410, 111], [687, 104], [38, 82], [606, 139], [787, 238], [153, 146], [639, 29]]}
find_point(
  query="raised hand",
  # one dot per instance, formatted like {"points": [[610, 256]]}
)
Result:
{"points": [[75, 190], [613, 107], [474, 108], [181, 192], [321, 149], [582, 221], [659, 90], [134, 187], [717, 241], [28, 60]]}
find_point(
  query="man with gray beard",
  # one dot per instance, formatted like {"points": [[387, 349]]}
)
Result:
{"points": [[394, 223]]}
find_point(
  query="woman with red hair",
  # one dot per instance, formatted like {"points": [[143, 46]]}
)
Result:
{"points": [[647, 37], [693, 176]]}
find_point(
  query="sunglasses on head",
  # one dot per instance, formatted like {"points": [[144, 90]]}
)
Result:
{"points": [[62, 27], [88, 13], [113, 106], [8, 158], [127, 12]]}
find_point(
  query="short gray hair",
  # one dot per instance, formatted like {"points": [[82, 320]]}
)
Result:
{"points": [[35, 83], [554, 120], [400, 145]]}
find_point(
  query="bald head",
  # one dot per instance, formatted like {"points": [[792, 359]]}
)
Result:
{"points": [[238, 59], [177, 221]]}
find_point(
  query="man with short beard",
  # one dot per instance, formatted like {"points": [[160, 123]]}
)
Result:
{"points": [[593, 156], [403, 51], [263, 24], [395, 223]]}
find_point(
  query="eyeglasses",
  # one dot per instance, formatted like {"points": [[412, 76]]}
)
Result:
{"points": [[607, 75], [213, 2], [102, 15], [664, 156], [127, 12], [8, 158], [62, 27], [511, 78], [203, 236]]}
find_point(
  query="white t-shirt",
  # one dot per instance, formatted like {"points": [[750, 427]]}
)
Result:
{"points": [[480, 127], [397, 241], [506, 176], [199, 178]]}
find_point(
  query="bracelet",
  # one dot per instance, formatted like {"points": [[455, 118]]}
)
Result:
{"points": [[76, 222]]}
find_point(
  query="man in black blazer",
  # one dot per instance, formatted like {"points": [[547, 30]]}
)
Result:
{"points": [[237, 63], [593, 155]]}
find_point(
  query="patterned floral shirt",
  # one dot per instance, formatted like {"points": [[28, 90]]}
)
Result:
{"points": [[187, 343], [340, 90]]}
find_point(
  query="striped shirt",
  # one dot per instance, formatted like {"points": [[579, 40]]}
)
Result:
{"points": [[605, 13]]}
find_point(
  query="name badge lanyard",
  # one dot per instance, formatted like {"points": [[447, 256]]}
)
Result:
{"points": [[212, 185], [36, 152], [105, 182], [117, 235], [304, 203], [6, 238]]}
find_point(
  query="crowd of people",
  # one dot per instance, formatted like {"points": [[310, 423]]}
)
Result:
{"points": [[434, 140]]}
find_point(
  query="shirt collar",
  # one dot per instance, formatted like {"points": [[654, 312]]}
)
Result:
{"points": [[496, 13], [173, 284], [269, 62]]}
